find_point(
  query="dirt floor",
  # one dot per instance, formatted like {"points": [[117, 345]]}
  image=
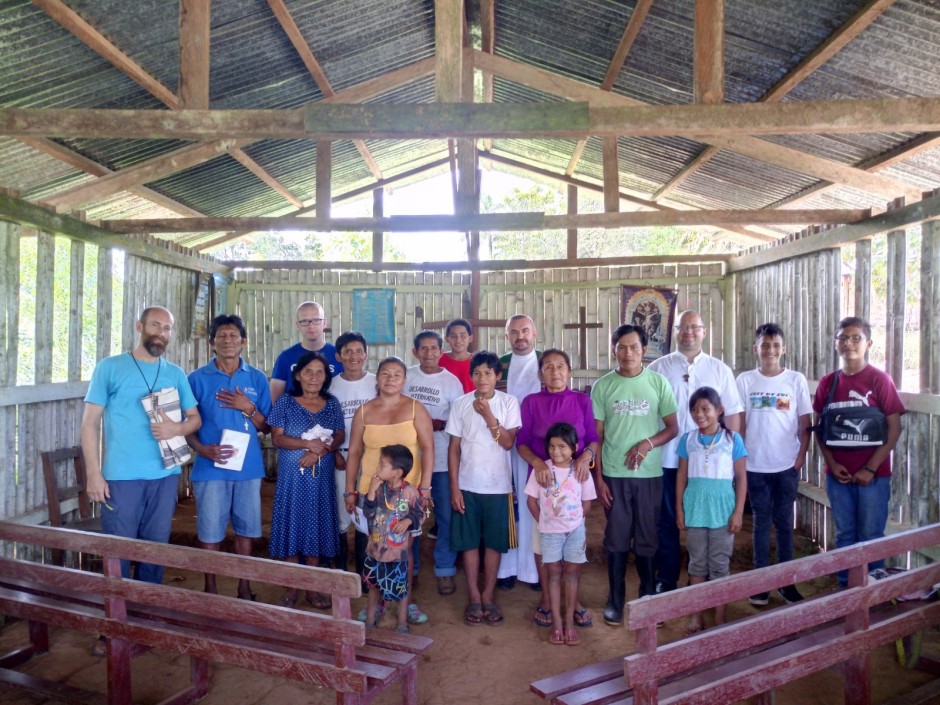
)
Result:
{"points": [[466, 665]]}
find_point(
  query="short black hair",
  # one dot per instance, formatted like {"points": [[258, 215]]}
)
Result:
{"points": [[769, 330], [458, 322], [428, 334], [295, 389], [564, 431], [855, 322], [392, 360], [350, 336], [555, 351], [399, 456], [626, 329], [225, 320], [485, 357]]}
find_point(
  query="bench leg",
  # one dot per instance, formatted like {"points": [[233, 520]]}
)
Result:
{"points": [[856, 674], [409, 686], [39, 637], [764, 699], [347, 698], [119, 672], [199, 676], [646, 693]]}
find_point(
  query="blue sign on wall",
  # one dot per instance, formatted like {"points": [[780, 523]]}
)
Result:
{"points": [[374, 314]]}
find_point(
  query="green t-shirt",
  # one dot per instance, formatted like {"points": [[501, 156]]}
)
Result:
{"points": [[632, 408]]}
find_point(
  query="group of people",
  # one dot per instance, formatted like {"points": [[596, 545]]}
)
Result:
{"points": [[506, 454]]}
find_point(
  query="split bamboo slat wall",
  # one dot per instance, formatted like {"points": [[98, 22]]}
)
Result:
{"points": [[267, 300], [47, 414]]}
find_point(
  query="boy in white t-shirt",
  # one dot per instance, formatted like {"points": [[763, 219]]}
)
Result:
{"points": [[353, 387], [777, 417], [482, 428], [437, 389]]}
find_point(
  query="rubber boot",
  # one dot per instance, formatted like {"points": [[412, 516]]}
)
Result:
{"points": [[646, 569], [617, 577], [342, 558]]}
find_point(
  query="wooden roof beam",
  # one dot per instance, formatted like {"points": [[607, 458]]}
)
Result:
{"points": [[487, 44], [854, 26], [490, 221], [282, 13], [194, 66], [792, 159], [630, 32], [709, 56]]}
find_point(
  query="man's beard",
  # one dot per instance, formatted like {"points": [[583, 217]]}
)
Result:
{"points": [[155, 345]]}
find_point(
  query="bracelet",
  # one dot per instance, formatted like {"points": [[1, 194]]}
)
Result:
{"points": [[865, 467], [493, 428], [424, 489], [652, 447], [496, 437], [351, 494]]}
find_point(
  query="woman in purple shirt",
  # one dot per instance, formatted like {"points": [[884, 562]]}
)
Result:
{"points": [[553, 404]]}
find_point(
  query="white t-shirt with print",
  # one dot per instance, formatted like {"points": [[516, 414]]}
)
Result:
{"points": [[351, 396], [436, 392], [484, 464], [772, 410], [560, 506]]}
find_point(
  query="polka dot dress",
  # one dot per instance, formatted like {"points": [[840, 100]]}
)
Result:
{"points": [[304, 519]]}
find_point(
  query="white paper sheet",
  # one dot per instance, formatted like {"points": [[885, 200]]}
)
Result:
{"points": [[239, 441]]}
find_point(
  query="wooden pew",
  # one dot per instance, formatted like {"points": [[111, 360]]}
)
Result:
{"points": [[331, 650], [750, 657]]}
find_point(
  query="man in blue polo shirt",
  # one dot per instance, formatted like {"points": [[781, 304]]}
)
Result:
{"points": [[234, 402], [311, 322]]}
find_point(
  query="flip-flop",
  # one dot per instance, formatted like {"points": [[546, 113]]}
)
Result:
{"points": [[583, 618], [473, 614], [556, 637], [494, 615], [319, 601], [572, 638], [543, 617], [288, 599], [693, 628]]}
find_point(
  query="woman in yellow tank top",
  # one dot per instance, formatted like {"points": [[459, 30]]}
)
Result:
{"points": [[388, 419]]}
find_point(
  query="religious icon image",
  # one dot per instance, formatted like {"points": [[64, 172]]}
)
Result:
{"points": [[653, 310]]}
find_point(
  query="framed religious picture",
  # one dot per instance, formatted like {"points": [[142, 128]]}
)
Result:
{"points": [[653, 310]]}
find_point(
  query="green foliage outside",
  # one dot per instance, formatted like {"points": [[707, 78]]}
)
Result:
{"points": [[311, 247], [592, 242]]}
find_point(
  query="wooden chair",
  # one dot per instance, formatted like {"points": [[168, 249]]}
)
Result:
{"points": [[62, 500]]}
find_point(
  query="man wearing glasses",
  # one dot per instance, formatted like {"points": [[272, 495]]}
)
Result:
{"points": [[687, 369], [311, 322]]}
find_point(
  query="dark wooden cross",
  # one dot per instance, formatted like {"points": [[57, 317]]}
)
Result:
{"points": [[471, 312], [582, 327]]}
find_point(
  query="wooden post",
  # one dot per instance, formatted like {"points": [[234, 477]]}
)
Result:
{"points": [[194, 54], [611, 176], [572, 232], [709, 66], [324, 177], [105, 304], [76, 306], [378, 237], [45, 305], [930, 308], [896, 296], [863, 279]]}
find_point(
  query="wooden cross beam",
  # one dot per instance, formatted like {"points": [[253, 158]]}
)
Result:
{"points": [[582, 327]]}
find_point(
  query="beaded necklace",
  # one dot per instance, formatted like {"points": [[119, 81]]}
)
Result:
{"points": [[708, 448], [400, 505]]}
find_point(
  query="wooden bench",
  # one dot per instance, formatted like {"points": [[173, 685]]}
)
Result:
{"points": [[750, 657], [331, 650]]}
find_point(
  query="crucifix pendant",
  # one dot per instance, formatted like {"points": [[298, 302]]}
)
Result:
{"points": [[246, 424]]}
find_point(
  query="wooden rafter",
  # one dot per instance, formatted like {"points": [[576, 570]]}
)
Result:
{"points": [[637, 17], [825, 51], [80, 161], [194, 63], [709, 62], [316, 71], [448, 49], [490, 221], [791, 159], [487, 45]]}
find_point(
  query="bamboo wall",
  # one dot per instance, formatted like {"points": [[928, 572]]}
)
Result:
{"points": [[47, 415], [267, 300]]}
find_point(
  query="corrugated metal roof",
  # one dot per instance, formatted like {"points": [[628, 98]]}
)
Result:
{"points": [[254, 65]]}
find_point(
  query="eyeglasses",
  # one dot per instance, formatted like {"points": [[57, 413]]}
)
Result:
{"points": [[689, 329], [304, 322], [843, 339]]}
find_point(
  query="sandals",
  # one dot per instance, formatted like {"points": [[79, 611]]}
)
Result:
{"points": [[572, 638], [288, 599], [402, 629], [473, 614], [543, 617], [319, 601], [556, 637], [493, 614], [446, 585], [693, 628], [415, 615], [100, 647], [583, 618]]}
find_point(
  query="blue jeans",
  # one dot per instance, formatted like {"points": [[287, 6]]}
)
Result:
{"points": [[445, 560], [772, 495], [669, 553], [860, 513], [141, 509]]}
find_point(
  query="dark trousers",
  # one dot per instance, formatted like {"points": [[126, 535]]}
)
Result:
{"points": [[669, 553]]}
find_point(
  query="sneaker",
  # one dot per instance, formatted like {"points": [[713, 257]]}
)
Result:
{"points": [[432, 533], [506, 583], [790, 594], [379, 612], [415, 615], [760, 600]]}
